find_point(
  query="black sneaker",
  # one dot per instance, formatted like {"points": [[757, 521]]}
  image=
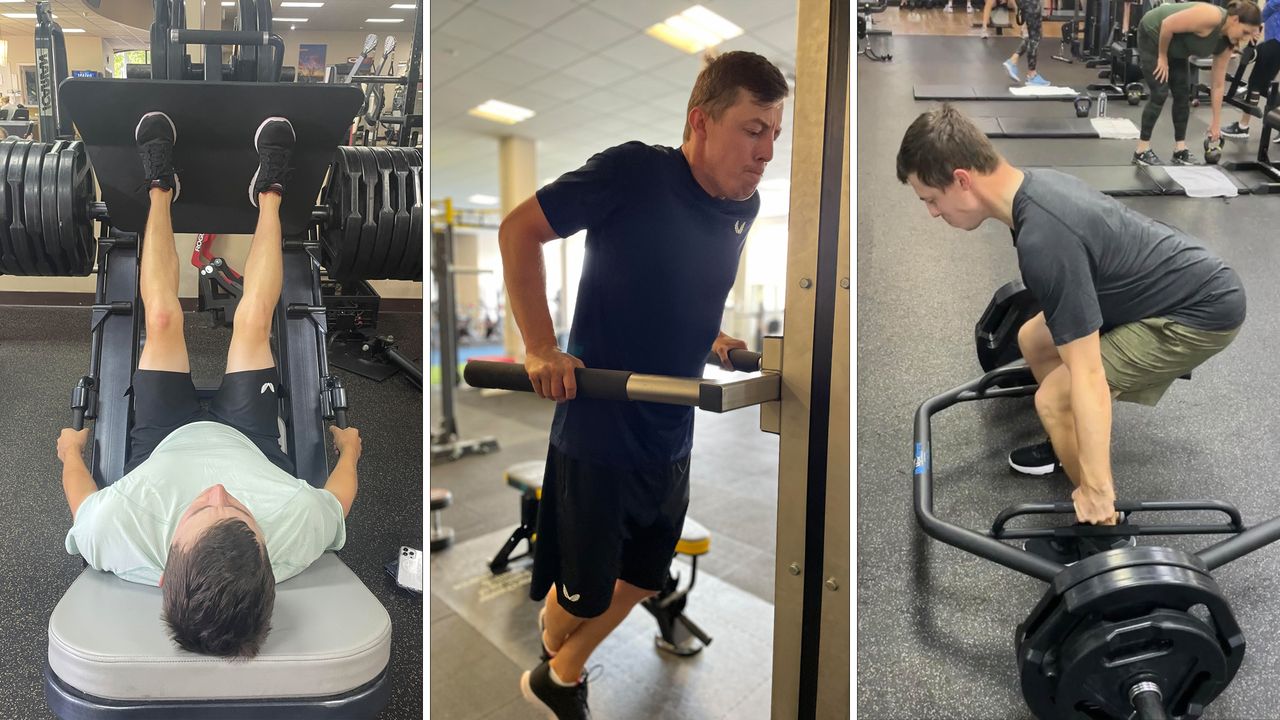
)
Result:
{"points": [[1235, 131], [274, 144], [1148, 157], [1038, 459], [559, 703], [1184, 157], [155, 136]]}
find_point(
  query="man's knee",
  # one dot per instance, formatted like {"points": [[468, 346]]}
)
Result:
{"points": [[253, 320], [164, 318], [1053, 397]]}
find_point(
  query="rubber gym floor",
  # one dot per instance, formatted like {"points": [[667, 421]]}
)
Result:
{"points": [[476, 667], [936, 624], [44, 351]]}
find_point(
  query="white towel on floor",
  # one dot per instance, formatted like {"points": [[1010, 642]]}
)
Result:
{"points": [[1202, 180], [1115, 128], [1046, 91]]}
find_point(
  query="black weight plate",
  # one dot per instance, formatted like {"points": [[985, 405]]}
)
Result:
{"points": [[8, 261], [380, 269], [402, 242], [415, 211], [327, 201], [75, 188], [349, 245], [368, 212], [17, 233], [31, 207], [48, 193]]}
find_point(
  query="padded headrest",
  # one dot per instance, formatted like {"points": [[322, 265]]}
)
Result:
{"points": [[329, 635]]}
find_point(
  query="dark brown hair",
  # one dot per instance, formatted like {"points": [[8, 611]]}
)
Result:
{"points": [[1248, 12], [716, 88], [940, 142], [219, 592]]}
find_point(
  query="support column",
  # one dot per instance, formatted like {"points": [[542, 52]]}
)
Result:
{"points": [[811, 578], [517, 180]]}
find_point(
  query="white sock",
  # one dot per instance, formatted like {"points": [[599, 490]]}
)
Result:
{"points": [[556, 679]]}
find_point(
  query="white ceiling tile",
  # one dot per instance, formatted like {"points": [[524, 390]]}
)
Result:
{"points": [[607, 101], [754, 43], [642, 87], [485, 29], [642, 14], [510, 70], [441, 11], [748, 14], [589, 28], [470, 90], [451, 56], [598, 71], [528, 98], [545, 50], [780, 34], [562, 87], [533, 14], [642, 52], [681, 72]]}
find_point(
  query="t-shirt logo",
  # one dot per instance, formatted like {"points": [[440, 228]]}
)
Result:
{"points": [[739, 226]]}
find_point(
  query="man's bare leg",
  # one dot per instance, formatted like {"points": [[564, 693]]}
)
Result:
{"points": [[584, 636], [263, 276], [165, 348]]}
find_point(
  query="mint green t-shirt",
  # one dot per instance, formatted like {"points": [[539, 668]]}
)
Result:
{"points": [[126, 528]]}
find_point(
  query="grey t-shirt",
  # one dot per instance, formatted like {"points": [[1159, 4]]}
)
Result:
{"points": [[1095, 264]]}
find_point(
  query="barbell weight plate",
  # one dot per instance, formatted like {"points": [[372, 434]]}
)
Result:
{"points": [[352, 219], [31, 221], [8, 261], [75, 188], [415, 214], [381, 267], [401, 237], [21, 244], [368, 211], [48, 195]]}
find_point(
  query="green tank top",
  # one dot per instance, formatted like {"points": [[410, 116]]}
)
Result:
{"points": [[1183, 45]]}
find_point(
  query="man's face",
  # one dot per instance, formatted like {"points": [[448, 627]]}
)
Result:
{"points": [[211, 507], [956, 204], [740, 145]]}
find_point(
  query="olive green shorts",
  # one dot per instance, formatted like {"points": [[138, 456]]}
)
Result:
{"points": [[1143, 358]]}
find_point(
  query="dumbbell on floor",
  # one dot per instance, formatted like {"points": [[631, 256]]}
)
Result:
{"points": [[441, 536]]}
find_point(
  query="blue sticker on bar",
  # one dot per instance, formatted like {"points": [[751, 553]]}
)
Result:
{"points": [[922, 459]]}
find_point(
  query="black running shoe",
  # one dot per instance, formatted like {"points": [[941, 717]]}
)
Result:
{"points": [[1146, 158], [1038, 459], [274, 143], [155, 136], [558, 703], [1184, 157], [1235, 131]]}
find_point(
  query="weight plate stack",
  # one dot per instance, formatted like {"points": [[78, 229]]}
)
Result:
{"points": [[374, 200], [45, 194]]}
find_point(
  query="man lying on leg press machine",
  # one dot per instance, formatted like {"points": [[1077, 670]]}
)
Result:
{"points": [[173, 520]]}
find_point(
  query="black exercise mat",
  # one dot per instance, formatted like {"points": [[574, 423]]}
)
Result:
{"points": [[214, 152], [1037, 127], [1117, 180]]}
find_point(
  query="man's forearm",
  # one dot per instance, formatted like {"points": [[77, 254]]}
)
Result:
{"points": [[526, 278], [343, 482], [1091, 410], [77, 482]]}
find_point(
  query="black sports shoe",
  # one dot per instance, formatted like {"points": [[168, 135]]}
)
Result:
{"points": [[1038, 459], [274, 143], [559, 703], [1070, 550], [1235, 131], [1184, 157], [1146, 158], [155, 136]]}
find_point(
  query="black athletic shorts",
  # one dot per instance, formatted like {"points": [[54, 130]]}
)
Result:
{"points": [[165, 401], [598, 524]]}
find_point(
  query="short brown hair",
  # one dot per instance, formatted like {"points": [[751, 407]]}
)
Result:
{"points": [[1248, 12], [219, 593], [940, 142], [716, 88]]}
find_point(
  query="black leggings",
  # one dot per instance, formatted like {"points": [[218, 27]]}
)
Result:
{"points": [[1032, 14], [1178, 85], [1266, 65]]}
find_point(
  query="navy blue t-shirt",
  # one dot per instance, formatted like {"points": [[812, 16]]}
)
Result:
{"points": [[661, 258]]}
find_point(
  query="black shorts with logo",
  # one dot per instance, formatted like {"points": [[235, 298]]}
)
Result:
{"points": [[165, 401], [598, 524]]}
